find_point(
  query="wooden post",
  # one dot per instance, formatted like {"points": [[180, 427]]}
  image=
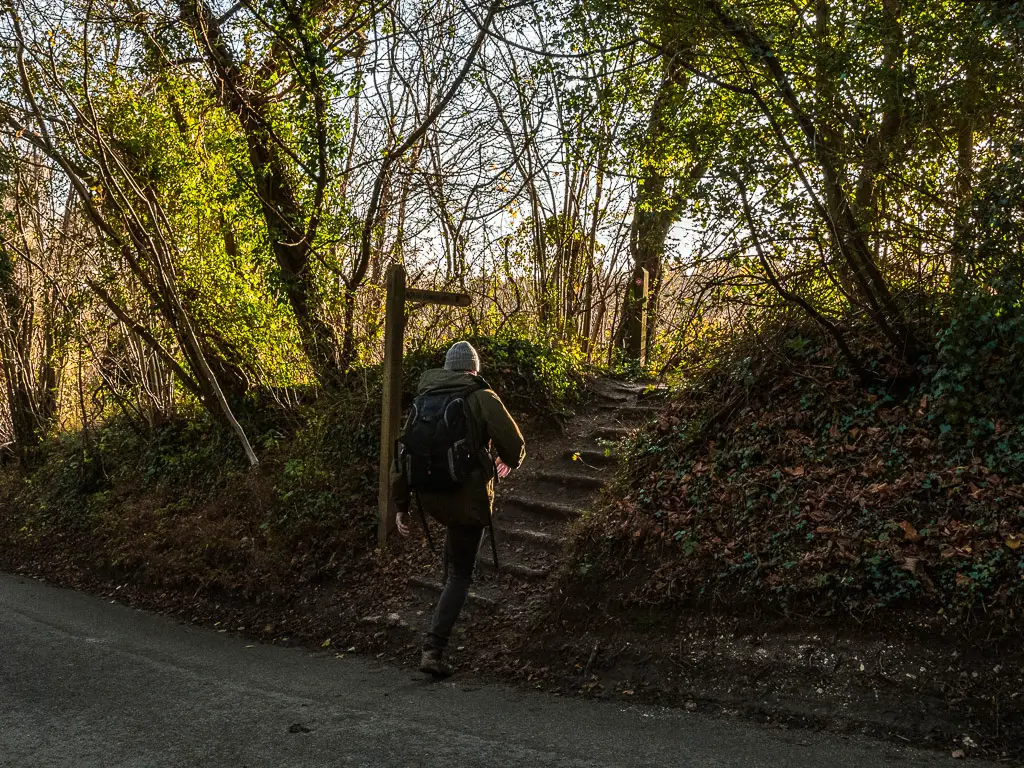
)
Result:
{"points": [[644, 298], [391, 410], [588, 306]]}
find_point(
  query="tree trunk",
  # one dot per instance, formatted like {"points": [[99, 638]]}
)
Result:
{"points": [[282, 210], [653, 215], [31, 395], [648, 232]]}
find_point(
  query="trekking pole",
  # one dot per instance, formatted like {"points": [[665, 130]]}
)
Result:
{"points": [[426, 527], [494, 548], [430, 541], [444, 565], [494, 544]]}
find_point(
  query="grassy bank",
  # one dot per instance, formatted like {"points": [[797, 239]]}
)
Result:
{"points": [[775, 482]]}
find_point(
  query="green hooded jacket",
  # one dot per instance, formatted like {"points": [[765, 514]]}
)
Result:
{"points": [[472, 502]]}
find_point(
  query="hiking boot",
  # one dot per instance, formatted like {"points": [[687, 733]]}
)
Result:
{"points": [[431, 664]]}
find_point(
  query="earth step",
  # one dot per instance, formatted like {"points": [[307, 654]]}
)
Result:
{"points": [[387, 620], [537, 538], [571, 478], [434, 586], [635, 387], [545, 507], [611, 400], [613, 433], [484, 559], [638, 411], [608, 390], [593, 456]]}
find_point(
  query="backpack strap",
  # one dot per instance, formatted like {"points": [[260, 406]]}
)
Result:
{"points": [[478, 384]]}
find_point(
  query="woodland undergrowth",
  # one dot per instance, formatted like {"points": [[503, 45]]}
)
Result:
{"points": [[775, 480], [175, 506]]}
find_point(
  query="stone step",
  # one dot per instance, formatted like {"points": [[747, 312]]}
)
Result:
{"points": [[548, 541], [607, 390], [571, 478], [436, 587], [390, 620], [545, 507], [612, 433], [593, 456]]}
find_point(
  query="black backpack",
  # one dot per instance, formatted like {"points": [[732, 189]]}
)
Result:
{"points": [[439, 447]]}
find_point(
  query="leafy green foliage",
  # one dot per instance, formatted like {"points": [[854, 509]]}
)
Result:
{"points": [[975, 383], [177, 505], [328, 470], [534, 377]]}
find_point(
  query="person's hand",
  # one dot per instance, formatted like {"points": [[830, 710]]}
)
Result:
{"points": [[402, 522], [502, 467]]}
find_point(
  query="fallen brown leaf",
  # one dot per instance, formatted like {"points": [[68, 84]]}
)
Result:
{"points": [[909, 531]]}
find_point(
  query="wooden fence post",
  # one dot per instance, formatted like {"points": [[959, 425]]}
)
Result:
{"points": [[391, 406], [645, 295]]}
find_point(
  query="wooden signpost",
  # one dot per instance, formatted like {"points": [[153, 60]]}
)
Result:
{"points": [[391, 401]]}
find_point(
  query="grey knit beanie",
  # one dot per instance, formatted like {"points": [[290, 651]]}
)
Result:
{"points": [[462, 357]]}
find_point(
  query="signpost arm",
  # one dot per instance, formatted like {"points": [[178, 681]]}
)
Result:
{"points": [[391, 412], [439, 297]]}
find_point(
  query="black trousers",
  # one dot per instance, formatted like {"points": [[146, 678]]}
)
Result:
{"points": [[460, 546]]}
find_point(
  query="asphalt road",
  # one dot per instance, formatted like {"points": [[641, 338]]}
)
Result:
{"points": [[86, 683]]}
